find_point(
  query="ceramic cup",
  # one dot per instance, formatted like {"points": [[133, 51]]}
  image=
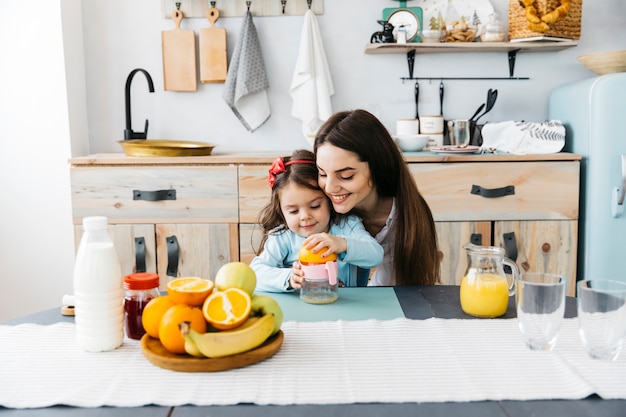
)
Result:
{"points": [[602, 317], [540, 305], [431, 125], [407, 127]]}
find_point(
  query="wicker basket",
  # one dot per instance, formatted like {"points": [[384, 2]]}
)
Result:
{"points": [[568, 28]]}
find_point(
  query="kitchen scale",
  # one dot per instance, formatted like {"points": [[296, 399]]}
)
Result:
{"points": [[410, 17]]}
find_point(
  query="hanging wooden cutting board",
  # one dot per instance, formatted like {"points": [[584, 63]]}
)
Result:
{"points": [[179, 57], [213, 57]]}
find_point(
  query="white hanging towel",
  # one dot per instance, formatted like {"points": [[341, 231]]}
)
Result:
{"points": [[312, 85], [245, 90]]}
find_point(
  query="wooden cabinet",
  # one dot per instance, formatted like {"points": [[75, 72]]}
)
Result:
{"points": [[175, 220], [526, 204], [530, 208]]}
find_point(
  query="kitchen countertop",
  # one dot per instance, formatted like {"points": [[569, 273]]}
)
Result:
{"points": [[267, 158]]}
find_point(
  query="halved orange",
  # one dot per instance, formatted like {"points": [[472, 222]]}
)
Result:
{"points": [[191, 291], [227, 309], [307, 257]]}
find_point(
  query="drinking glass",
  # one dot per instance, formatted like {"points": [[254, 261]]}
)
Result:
{"points": [[540, 304], [602, 317]]}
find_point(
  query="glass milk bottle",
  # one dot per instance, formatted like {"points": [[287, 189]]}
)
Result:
{"points": [[98, 291]]}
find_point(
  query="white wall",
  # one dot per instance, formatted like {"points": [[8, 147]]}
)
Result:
{"points": [[52, 108], [123, 35]]}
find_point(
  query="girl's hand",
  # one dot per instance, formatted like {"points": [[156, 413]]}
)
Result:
{"points": [[319, 241], [297, 276]]}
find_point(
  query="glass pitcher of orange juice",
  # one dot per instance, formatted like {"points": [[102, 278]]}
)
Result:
{"points": [[485, 289]]}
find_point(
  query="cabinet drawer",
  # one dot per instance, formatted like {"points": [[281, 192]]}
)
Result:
{"points": [[542, 190], [204, 194]]}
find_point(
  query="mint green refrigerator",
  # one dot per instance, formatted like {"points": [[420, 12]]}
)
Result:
{"points": [[594, 114]]}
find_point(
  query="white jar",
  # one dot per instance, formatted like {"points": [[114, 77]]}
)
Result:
{"points": [[98, 290]]}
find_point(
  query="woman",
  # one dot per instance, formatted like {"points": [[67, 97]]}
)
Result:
{"points": [[363, 172]]}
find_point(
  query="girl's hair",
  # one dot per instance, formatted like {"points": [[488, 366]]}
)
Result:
{"points": [[416, 256], [300, 169]]}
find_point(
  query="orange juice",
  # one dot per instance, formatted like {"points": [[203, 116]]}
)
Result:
{"points": [[484, 295]]}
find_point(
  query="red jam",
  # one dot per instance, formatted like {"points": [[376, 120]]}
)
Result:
{"points": [[139, 289]]}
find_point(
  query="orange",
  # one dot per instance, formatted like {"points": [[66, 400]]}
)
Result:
{"points": [[307, 257], [227, 309], [169, 333], [191, 291], [152, 314]]}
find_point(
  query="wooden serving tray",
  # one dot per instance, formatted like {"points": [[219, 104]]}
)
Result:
{"points": [[154, 351]]}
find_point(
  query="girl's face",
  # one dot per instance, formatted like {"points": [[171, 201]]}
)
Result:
{"points": [[344, 178], [306, 211]]}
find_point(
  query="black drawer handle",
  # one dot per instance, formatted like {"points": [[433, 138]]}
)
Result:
{"points": [[510, 249], [140, 254], [172, 255], [494, 192], [158, 195], [476, 239]]}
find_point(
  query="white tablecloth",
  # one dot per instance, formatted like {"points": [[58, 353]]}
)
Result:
{"points": [[337, 362]]}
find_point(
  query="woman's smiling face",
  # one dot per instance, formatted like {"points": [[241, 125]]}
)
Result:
{"points": [[344, 178]]}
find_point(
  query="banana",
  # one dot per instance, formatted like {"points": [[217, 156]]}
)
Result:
{"points": [[190, 345], [249, 335]]}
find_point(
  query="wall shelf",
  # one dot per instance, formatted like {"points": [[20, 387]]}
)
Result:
{"points": [[429, 48], [511, 48]]}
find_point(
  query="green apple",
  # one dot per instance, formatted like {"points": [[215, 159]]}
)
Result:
{"points": [[262, 305], [236, 275]]}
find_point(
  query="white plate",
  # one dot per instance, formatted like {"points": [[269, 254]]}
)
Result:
{"points": [[432, 8], [452, 149]]}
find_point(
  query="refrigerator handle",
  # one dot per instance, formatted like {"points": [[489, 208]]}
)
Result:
{"points": [[617, 206]]}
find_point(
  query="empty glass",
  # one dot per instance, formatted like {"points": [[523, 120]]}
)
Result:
{"points": [[540, 304], [602, 317]]}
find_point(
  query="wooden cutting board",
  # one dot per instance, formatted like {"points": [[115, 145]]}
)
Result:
{"points": [[179, 57], [213, 57], [155, 353]]}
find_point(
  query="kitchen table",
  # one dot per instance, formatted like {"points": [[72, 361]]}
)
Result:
{"points": [[418, 303]]}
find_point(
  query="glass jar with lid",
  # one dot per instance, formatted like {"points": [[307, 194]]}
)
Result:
{"points": [[494, 30], [139, 289]]}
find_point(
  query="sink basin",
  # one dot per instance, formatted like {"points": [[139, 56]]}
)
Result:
{"points": [[159, 147]]}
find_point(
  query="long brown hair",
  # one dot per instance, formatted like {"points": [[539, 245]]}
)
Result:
{"points": [[299, 168], [416, 256]]}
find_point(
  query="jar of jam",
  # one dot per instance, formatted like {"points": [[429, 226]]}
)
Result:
{"points": [[139, 289]]}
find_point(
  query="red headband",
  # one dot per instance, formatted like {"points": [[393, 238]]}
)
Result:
{"points": [[278, 167]]}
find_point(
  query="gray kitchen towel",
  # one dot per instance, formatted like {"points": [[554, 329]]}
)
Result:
{"points": [[245, 90]]}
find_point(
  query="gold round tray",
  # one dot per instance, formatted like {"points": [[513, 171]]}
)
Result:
{"points": [[154, 351], [158, 147]]}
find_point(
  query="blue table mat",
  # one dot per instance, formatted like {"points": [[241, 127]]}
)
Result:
{"points": [[354, 303]]}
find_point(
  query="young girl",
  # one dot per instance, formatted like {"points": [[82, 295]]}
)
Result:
{"points": [[300, 213], [363, 172]]}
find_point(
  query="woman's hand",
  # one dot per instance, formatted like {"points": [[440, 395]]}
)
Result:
{"points": [[319, 241], [297, 276]]}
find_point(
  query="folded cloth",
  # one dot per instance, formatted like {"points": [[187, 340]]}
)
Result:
{"points": [[245, 90], [524, 138], [311, 86]]}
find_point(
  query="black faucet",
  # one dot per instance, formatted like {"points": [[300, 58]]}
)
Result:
{"points": [[128, 132]]}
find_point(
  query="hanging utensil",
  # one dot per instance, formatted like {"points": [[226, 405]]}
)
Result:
{"points": [[492, 95], [417, 96], [410, 58], [441, 98], [478, 110]]}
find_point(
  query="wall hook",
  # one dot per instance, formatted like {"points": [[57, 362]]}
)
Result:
{"points": [[177, 5], [213, 4], [284, 3], [248, 3], [308, 2]]}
